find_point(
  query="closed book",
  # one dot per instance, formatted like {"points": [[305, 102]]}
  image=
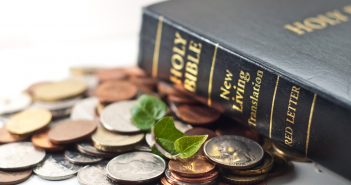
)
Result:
{"points": [[282, 67]]}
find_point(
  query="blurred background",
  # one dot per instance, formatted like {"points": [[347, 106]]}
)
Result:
{"points": [[41, 39]]}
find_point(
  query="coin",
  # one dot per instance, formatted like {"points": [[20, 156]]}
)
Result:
{"points": [[88, 149], [57, 105], [71, 131], [7, 137], [181, 98], [135, 72], [93, 175], [117, 117], [113, 142], [201, 131], [112, 91], [196, 114], [14, 103], [41, 140], [78, 158], [164, 181], [244, 180], [233, 152], [193, 180], [136, 167], [56, 91], [166, 89], [55, 167], [30, 89], [150, 140], [16, 177], [85, 109], [193, 167], [21, 155], [28, 121], [84, 70], [172, 180], [183, 127], [264, 167], [111, 74]]}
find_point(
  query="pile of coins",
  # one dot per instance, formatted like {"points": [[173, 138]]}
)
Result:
{"points": [[82, 127]]}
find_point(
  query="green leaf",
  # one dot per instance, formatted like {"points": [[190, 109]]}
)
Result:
{"points": [[187, 146], [147, 111], [166, 134]]}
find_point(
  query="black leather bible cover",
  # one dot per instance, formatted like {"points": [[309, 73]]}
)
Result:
{"points": [[283, 67]]}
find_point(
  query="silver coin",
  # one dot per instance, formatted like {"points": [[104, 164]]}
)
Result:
{"points": [[93, 175], [143, 148], [136, 167], [117, 117], [88, 149], [21, 155], [183, 127], [234, 152], [57, 105], [150, 140], [85, 109], [55, 167], [62, 113], [14, 103], [76, 157]]}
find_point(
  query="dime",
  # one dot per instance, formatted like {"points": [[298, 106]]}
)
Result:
{"points": [[28, 121], [93, 175], [111, 74], [14, 103], [77, 158], [56, 91], [88, 149], [117, 117], [237, 179], [22, 155], [7, 137], [112, 91], [233, 152], [41, 140], [136, 167], [265, 166], [201, 131], [71, 131], [194, 167], [7, 178], [114, 142], [55, 167], [196, 114], [85, 109]]}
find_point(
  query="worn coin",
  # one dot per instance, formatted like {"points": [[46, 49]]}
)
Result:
{"points": [[55, 167], [85, 109], [264, 167], [136, 167], [21, 155], [41, 140], [14, 103], [76, 157], [201, 131], [7, 137], [113, 142], [243, 180], [15, 177], [193, 167], [88, 149], [93, 175], [71, 131], [117, 117], [112, 91], [28, 121], [233, 152], [111, 74], [196, 114]]}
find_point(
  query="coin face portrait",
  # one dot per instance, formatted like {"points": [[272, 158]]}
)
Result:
{"points": [[233, 151]]}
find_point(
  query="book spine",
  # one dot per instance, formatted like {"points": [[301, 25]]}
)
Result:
{"points": [[249, 92]]}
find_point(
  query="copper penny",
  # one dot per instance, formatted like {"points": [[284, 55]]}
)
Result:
{"points": [[41, 140], [166, 89], [71, 131], [164, 181], [207, 178], [111, 74], [201, 131], [16, 177], [112, 91], [7, 137], [196, 114], [198, 166], [181, 98], [135, 72]]}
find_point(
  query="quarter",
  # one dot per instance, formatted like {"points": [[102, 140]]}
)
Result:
{"points": [[78, 158], [85, 109], [93, 175]]}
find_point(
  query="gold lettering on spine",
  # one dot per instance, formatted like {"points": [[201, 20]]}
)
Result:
{"points": [[157, 47], [177, 59], [255, 98], [272, 107], [310, 123], [291, 114], [209, 100]]}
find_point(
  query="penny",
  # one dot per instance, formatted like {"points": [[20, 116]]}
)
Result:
{"points": [[55, 167], [113, 142], [117, 117], [181, 98], [233, 152], [15, 177], [164, 181], [7, 137], [41, 140], [243, 180], [112, 91], [21, 155], [85, 109], [265, 166], [88, 149], [194, 167], [166, 89], [208, 178], [71, 131], [28, 121], [111, 74], [135, 72], [56, 91], [78, 158], [14, 103], [93, 175], [201, 131], [196, 114], [136, 167], [172, 180]]}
